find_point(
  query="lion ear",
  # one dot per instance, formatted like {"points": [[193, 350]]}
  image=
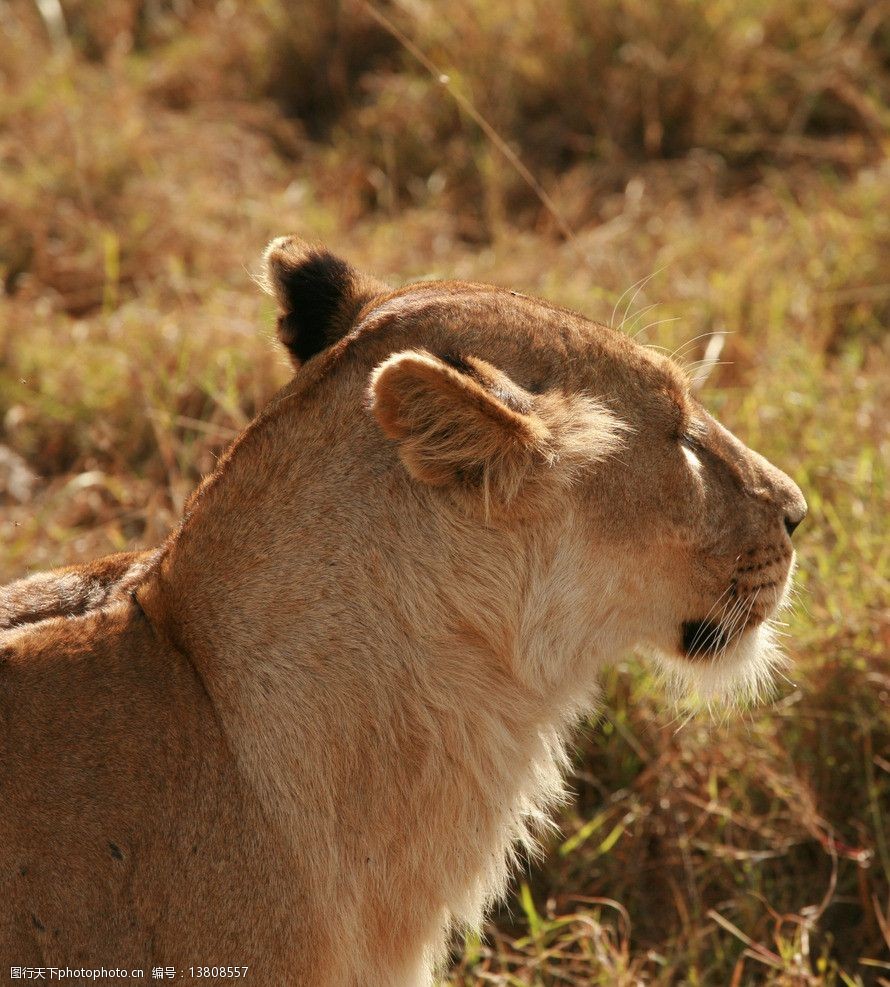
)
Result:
{"points": [[319, 295], [460, 421]]}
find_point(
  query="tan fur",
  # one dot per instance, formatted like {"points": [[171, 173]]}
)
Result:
{"points": [[310, 733]]}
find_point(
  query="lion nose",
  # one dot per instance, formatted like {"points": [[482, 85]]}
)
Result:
{"points": [[795, 516], [791, 501]]}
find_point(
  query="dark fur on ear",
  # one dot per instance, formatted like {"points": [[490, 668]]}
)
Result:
{"points": [[319, 295]]}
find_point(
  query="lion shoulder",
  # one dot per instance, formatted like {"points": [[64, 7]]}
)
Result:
{"points": [[72, 591]]}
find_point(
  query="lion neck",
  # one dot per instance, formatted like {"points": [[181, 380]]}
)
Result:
{"points": [[394, 687]]}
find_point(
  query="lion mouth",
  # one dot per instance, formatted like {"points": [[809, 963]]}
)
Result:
{"points": [[709, 637], [703, 638]]}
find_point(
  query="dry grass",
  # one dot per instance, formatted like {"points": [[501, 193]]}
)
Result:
{"points": [[732, 153]]}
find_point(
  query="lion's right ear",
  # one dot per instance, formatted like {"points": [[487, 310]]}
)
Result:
{"points": [[318, 293], [460, 422]]}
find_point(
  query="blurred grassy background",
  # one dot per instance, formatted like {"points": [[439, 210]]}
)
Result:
{"points": [[733, 152]]}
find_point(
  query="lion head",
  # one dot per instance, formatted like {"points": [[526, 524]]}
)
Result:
{"points": [[567, 439]]}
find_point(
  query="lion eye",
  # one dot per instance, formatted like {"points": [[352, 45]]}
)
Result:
{"points": [[691, 448]]}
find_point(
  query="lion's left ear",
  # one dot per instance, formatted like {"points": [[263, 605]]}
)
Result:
{"points": [[319, 294], [458, 422]]}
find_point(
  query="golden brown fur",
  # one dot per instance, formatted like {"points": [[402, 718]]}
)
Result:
{"points": [[72, 591], [308, 733]]}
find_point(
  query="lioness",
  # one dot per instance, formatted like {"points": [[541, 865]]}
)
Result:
{"points": [[307, 734]]}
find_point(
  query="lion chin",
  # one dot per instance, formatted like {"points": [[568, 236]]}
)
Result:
{"points": [[307, 735], [740, 672]]}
